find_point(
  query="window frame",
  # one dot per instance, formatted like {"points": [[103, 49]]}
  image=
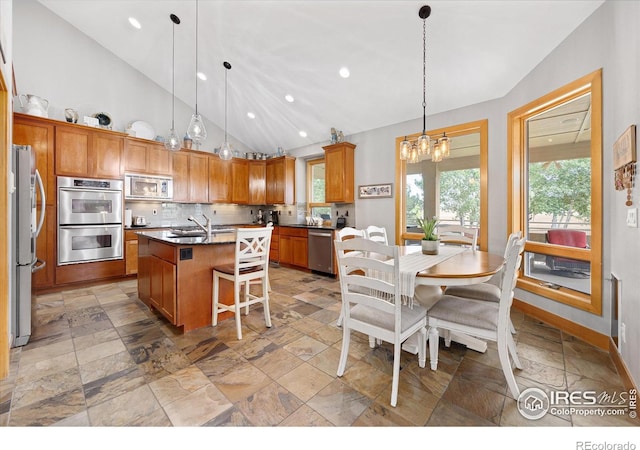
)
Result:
{"points": [[516, 201], [310, 164], [479, 126]]}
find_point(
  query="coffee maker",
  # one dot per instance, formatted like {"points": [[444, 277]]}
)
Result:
{"points": [[273, 216], [260, 217]]}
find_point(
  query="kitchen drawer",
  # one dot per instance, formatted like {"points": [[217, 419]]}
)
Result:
{"points": [[163, 251], [293, 231]]}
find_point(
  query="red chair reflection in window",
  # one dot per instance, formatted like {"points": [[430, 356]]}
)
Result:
{"points": [[568, 238]]}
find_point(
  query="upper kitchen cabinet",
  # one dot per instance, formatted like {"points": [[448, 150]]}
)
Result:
{"points": [[281, 180], [219, 180], [257, 182], [40, 135], [190, 177], [87, 152], [339, 173], [240, 177], [146, 157]]}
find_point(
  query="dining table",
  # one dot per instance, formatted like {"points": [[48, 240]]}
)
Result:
{"points": [[450, 268]]}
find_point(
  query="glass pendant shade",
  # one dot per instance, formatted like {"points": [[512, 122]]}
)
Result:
{"points": [[197, 131], [444, 142], [436, 155], [405, 148], [424, 145], [225, 151], [173, 141]]}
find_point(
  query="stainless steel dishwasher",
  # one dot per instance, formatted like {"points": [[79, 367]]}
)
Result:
{"points": [[320, 250]]}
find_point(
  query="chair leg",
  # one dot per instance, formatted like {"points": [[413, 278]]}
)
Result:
{"points": [[236, 302], [246, 297], [433, 347], [447, 338], [396, 373], [512, 328], [265, 302], [372, 342], [513, 352], [422, 348], [344, 352], [503, 353], [216, 288], [339, 322]]}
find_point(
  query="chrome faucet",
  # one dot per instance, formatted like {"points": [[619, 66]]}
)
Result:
{"points": [[206, 227]]}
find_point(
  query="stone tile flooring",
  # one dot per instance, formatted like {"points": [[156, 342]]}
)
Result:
{"points": [[99, 357]]}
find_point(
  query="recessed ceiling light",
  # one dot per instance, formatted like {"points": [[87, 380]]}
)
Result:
{"points": [[251, 115], [134, 23], [549, 140], [202, 76], [344, 72], [303, 134], [289, 98]]}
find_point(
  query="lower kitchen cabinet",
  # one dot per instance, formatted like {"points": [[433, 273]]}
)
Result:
{"points": [[274, 249], [293, 246], [162, 293]]}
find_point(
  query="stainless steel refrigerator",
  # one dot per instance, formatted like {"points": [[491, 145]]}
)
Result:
{"points": [[26, 226]]}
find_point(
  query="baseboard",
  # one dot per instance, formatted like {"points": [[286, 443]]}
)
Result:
{"points": [[621, 367], [586, 334]]}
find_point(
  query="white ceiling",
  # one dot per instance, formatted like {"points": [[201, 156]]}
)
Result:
{"points": [[476, 51]]}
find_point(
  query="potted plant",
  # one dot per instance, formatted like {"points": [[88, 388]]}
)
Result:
{"points": [[430, 241]]}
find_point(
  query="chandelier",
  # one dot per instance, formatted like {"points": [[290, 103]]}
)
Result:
{"points": [[419, 149]]}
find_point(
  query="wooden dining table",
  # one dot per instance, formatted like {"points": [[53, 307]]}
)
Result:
{"points": [[467, 267]]}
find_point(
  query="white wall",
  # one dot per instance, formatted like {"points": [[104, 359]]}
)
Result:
{"points": [[55, 61]]}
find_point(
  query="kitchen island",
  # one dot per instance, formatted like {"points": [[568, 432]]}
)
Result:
{"points": [[175, 274]]}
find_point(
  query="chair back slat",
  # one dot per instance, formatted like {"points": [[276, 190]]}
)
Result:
{"points": [[458, 235], [252, 248], [378, 234]]}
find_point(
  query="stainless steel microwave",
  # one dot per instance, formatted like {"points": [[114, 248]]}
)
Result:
{"points": [[147, 187]]}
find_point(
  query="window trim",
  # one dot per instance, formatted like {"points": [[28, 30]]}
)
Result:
{"points": [[310, 164], [516, 160], [479, 126]]}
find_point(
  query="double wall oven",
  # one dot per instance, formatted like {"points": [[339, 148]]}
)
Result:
{"points": [[89, 220]]}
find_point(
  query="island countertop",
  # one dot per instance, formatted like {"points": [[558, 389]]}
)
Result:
{"points": [[220, 237]]}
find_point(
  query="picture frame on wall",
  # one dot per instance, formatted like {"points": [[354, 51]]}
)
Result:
{"points": [[624, 148], [375, 190]]}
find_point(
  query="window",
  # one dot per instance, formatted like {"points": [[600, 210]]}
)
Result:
{"points": [[453, 189], [556, 197], [316, 188]]}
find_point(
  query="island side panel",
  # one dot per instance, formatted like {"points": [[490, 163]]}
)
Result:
{"points": [[195, 284]]}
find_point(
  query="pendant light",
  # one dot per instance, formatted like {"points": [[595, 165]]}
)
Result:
{"points": [[225, 150], [197, 131], [416, 150], [172, 141]]}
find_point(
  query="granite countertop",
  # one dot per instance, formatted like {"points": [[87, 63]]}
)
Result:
{"points": [[188, 227], [226, 237]]}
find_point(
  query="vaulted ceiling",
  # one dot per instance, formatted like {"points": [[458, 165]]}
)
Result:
{"points": [[476, 51]]}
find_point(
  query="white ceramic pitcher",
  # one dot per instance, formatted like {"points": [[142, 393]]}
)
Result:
{"points": [[34, 105]]}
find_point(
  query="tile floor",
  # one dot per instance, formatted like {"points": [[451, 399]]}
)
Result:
{"points": [[99, 357]]}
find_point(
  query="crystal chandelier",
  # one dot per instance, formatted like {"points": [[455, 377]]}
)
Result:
{"points": [[419, 149]]}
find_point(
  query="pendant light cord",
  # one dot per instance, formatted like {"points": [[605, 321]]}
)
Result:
{"points": [[424, 75], [196, 57], [225, 104], [173, 80]]}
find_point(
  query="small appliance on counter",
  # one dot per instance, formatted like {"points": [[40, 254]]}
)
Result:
{"points": [[273, 216], [128, 218], [139, 221], [260, 217], [341, 222]]}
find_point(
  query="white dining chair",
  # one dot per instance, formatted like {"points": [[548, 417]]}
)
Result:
{"points": [[372, 303], [458, 235], [251, 263], [378, 234], [489, 290], [482, 319], [344, 234]]}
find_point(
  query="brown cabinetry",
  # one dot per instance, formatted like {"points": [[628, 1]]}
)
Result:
{"points": [[240, 177], [257, 182], [162, 293], [339, 173], [40, 135], [219, 180], [274, 249], [280, 181], [190, 177], [146, 157], [293, 246], [84, 152]]}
